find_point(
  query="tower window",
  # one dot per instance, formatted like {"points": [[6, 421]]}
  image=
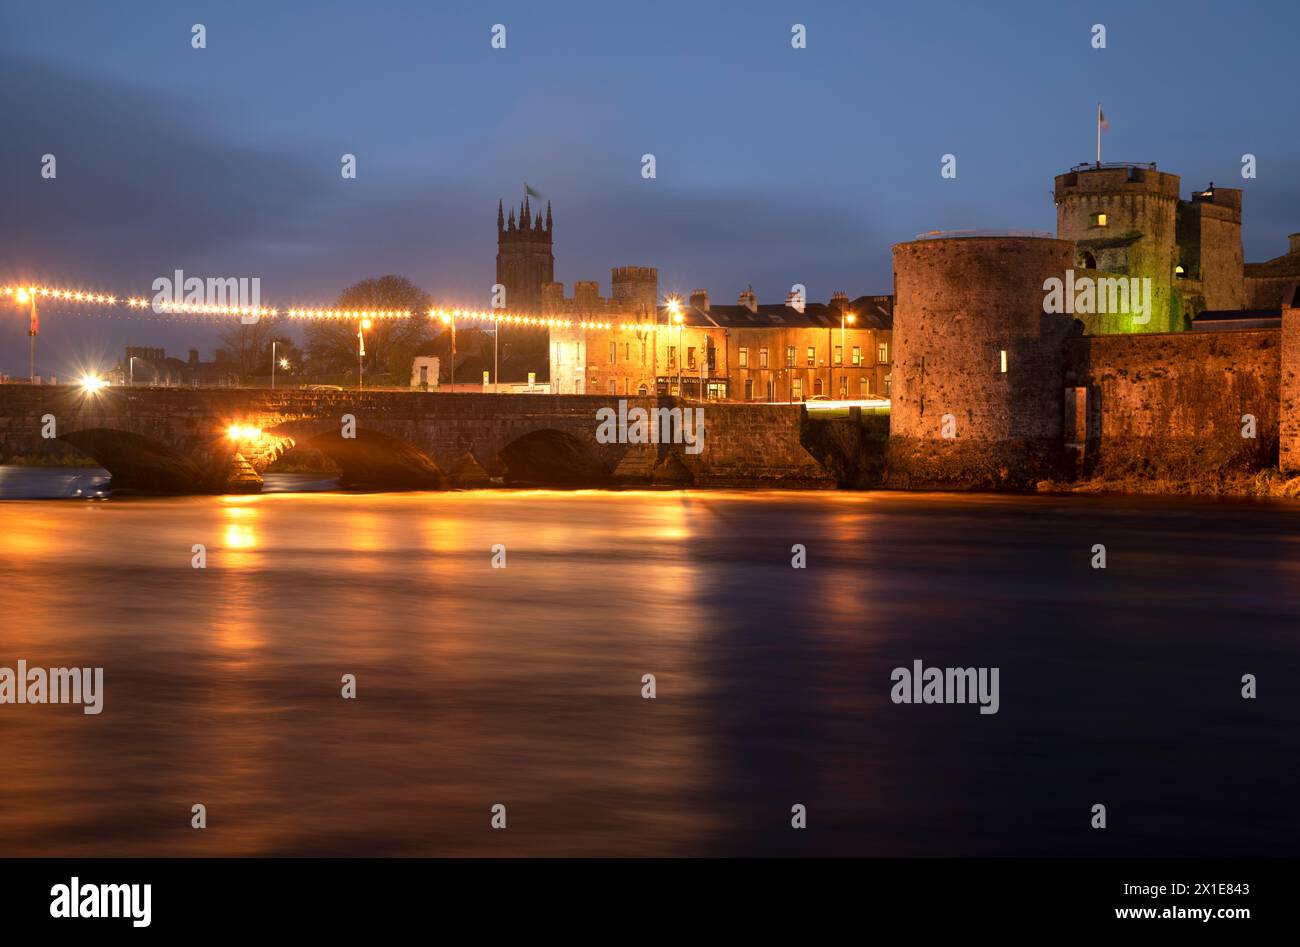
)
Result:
{"points": [[1003, 362], [1178, 270], [1099, 220]]}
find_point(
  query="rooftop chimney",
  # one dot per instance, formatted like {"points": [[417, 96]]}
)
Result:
{"points": [[749, 300], [700, 299]]}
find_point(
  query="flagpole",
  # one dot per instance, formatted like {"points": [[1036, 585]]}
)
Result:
{"points": [[1099, 134]]}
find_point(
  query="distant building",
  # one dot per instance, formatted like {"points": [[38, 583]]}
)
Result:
{"points": [[148, 365], [629, 344]]}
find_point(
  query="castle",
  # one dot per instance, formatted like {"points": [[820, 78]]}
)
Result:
{"points": [[993, 387]]}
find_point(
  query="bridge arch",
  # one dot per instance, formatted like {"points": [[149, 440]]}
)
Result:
{"points": [[374, 459], [137, 462], [551, 457]]}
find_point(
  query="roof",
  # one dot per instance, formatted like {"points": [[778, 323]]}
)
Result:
{"points": [[873, 312], [1288, 264]]}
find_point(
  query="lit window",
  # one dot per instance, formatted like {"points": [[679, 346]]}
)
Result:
{"points": [[1099, 220], [857, 355], [744, 358], [762, 361], [812, 355], [839, 355], [882, 353], [789, 356], [1178, 270], [1004, 361]]}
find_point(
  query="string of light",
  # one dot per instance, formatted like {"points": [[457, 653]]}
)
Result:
{"points": [[25, 294]]}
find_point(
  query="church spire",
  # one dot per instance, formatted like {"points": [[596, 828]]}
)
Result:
{"points": [[501, 217], [548, 217]]}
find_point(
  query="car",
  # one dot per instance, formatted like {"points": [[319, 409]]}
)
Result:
{"points": [[820, 398]]}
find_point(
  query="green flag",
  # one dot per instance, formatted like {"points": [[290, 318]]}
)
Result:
{"points": [[530, 192]]}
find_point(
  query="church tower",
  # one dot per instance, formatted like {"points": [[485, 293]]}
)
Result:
{"points": [[525, 261]]}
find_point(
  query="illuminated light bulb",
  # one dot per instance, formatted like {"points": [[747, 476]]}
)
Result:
{"points": [[233, 431]]}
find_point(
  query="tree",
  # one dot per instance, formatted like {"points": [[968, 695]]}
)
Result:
{"points": [[248, 346], [390, 343]]}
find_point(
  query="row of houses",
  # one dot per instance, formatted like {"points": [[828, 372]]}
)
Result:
{"points": [[787, 352]]}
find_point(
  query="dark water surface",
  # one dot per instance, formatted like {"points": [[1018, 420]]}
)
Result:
{"points": [[521, 685]]}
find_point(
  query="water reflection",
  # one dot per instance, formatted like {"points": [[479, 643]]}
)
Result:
{"points": [[521, 685]]}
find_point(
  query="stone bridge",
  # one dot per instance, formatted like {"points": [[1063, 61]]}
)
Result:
{"points": [[216, 440]]}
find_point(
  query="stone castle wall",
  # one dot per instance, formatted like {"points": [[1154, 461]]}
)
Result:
{"points": [[1171, 406]]}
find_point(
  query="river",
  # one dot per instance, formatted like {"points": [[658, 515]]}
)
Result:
{"points": [[522, 686]]}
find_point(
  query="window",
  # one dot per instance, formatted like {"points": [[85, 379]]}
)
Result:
{"points": [[641, 390], [744, 358], [844, 387], [1099, 220], [882, 353], [672, 356], [626, 349], [839, 355], [1004, 361], [888, 384], [812, 356], [762, 361], [690, 356], [749, 388], [796, 389], [613, 386], [789, 356], [613, 352], [857, 355]]}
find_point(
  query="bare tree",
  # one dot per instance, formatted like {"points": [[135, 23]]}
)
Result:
{"points": [[390, 343], [248, 346]]}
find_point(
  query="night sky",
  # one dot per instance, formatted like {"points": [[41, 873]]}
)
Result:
{"points": [[775, 165]]}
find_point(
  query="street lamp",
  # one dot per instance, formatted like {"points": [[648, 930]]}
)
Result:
{"points": [[274, 343], [361, 353], [25, 296], [449, 319], [675, 311], [851, 318], [130, 366]]}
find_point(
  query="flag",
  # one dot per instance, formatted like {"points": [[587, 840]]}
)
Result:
{"points": [[1102, 122], [530, 192]]}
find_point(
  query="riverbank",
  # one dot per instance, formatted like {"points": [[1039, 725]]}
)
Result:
{"points": [[1265, 483]]}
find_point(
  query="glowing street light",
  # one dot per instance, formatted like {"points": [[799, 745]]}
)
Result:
{"points": [[91, 384], [851, 318], [361, 353], [29, 296], [675, 310]]}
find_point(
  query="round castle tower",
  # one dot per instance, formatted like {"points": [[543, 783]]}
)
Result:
{"points": [[1123, 220], [977, 380]]}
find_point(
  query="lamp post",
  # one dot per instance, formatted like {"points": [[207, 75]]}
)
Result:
{"points": [[29, 296], [274, 342], [675, 309], [130, 366], [361, 353], [449, 319], [850, 318], [496, 370]]}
